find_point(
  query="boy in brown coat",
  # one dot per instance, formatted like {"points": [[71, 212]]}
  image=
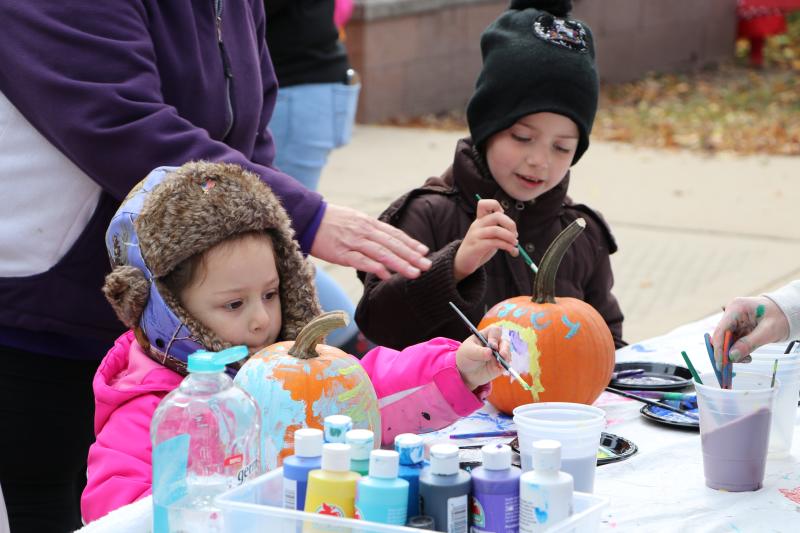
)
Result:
{"points": [[529, 119]]}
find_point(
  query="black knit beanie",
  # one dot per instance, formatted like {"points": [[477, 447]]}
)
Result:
{"points": [[535, 59]]}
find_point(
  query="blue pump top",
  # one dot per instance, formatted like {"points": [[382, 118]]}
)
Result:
{"points": [[206, 362]]}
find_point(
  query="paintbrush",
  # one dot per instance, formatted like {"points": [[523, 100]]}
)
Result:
{"points": [[774, 371], [631, 372], [485, 342], [710, 350], [662, 395], [648, 401], [726, 363], [521, 250], [483, 434], [692, 370]]}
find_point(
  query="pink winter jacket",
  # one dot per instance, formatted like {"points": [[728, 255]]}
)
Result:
{"points": [[419, 389]]}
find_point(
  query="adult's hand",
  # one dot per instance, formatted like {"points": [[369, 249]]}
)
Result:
{"points": [[351, 238], [749, 328]]}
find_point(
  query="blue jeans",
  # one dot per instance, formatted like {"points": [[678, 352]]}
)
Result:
{"points": [[308, 122]]}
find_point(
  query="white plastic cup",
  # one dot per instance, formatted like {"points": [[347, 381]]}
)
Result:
{"points": [[576, 426], [785, 411], [734, 430]]}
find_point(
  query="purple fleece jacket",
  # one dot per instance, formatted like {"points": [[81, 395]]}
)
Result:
{"points": [[121, 87]]}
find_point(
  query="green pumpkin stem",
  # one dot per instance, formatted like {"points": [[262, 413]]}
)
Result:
{"points": [[314, 333], [544, 283]]}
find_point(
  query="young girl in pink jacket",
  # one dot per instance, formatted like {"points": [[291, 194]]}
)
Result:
{"points": [[203, 257]]}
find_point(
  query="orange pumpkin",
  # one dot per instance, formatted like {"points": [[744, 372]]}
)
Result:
{"points": [[298, 383], [562, 347]]}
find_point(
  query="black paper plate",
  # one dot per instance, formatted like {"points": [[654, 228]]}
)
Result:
{"points": [[657, 376], [612, 448], [671, 418]]}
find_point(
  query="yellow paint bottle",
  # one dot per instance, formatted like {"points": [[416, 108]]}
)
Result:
{"points": [[332, 489]]}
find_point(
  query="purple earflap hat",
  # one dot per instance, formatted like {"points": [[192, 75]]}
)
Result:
{"points": [[175, 213]]}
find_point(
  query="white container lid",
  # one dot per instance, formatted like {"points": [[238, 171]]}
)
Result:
{"points": [[336, 426], [496, 457], [336, 457], [546, 455], [444, 459], [308, 442], [384, 464], [361, 442], [410, 447]]}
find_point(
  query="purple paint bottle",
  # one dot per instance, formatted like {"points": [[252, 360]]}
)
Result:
{"points": [[495, 492]]}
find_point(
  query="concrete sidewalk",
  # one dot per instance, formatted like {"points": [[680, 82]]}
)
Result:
{"points": [[693, 231]]}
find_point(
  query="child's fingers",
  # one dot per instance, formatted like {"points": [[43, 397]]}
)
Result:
{"points": [[487, 207]]}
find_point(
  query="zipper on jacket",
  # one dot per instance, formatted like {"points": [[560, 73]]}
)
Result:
{"points": [[226, 67]]}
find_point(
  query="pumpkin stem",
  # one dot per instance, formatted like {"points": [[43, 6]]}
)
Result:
{"points": [[544, 283], [314, 333]]}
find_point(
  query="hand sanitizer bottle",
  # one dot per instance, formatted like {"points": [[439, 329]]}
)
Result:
{"points": [[205, 437]]}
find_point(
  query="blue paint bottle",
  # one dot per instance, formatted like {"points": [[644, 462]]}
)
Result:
{"points": [[545, 492], [382, 497], [495, 492], [361, 442], [444, 490], [411, 450], [307, 457]]}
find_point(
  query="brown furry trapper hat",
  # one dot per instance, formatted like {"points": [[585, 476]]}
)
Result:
{"points": [[186, 211]]}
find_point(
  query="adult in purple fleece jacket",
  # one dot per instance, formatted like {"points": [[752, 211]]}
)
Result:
{"points": [[94, 94]]}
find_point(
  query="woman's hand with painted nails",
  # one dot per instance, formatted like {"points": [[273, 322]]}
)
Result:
{"points": [[752, 322], [477, 363], [492, 230]]}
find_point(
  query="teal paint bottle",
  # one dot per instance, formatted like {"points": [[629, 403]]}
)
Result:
{"points": [[382, 496], [362, 442], [412, 451]]}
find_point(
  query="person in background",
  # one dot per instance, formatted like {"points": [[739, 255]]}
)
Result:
{"points": [[529, 118], [93, 96], [314, 111], [779, 321], [759, 20], [224, 270]]}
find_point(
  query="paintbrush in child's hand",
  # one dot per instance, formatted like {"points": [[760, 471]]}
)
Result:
{"points": [[485, 342]]}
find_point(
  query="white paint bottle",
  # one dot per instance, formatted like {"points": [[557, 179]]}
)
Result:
{"points": [[545, 493]]}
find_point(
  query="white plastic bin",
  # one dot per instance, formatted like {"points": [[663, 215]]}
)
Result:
{"points": [[256, 507]]}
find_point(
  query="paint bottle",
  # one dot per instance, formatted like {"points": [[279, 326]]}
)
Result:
{"points": [[382, 496], [545, 492], [444, 490], [421, 522], [336, 427], [307, 457], [361, 442], [495, 492], [412, 451], [332, 489]]}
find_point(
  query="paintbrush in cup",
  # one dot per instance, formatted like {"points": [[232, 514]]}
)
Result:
{"points": [[496, 354]]}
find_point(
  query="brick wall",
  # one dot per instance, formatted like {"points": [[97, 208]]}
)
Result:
{"points": [[421, 56]]}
